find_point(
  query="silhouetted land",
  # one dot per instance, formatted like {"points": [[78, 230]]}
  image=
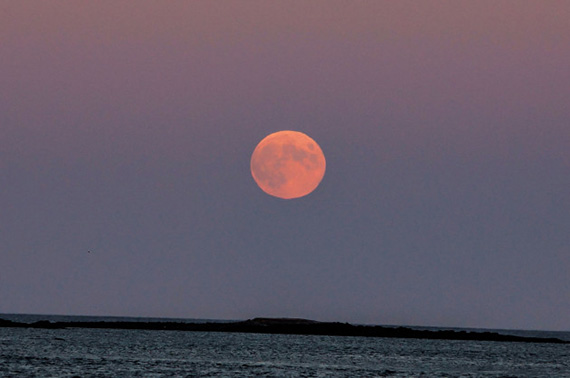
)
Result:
{"points": [[289, 326]]}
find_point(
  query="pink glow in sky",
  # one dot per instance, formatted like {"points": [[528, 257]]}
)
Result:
{"points": [[128, 130]]}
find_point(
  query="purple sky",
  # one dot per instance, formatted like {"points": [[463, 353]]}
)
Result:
{"points": [[127, 131]]}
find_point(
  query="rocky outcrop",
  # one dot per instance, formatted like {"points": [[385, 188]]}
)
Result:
{"points": [[292, 326]]}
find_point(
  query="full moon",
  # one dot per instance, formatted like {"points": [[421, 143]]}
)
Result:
{"points": [[288, 164]]}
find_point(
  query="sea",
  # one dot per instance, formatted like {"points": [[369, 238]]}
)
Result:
{"points": [[84, 352]]}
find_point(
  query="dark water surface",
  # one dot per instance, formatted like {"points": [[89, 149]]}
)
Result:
{"points": [[106, 352]]}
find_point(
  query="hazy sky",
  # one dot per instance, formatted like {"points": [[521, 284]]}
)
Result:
{"points": [[126, 129]]}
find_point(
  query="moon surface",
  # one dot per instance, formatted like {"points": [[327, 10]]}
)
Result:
{"points": [[288, 164]]}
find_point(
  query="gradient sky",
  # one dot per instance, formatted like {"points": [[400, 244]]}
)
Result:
{"points": [[127, 130]]}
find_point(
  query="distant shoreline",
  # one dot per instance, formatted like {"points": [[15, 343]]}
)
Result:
{"points": [[289, 326]]}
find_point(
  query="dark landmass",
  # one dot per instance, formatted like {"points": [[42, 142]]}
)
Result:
{"points": [[291, 326]]}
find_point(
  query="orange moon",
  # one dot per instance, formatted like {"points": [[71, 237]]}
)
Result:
{"points": [[288, 164]]}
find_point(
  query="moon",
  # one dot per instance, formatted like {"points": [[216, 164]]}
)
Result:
{"points": [[288, 164]]}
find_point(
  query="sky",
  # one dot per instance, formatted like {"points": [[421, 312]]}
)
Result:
{"points": [[126, 134]]}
